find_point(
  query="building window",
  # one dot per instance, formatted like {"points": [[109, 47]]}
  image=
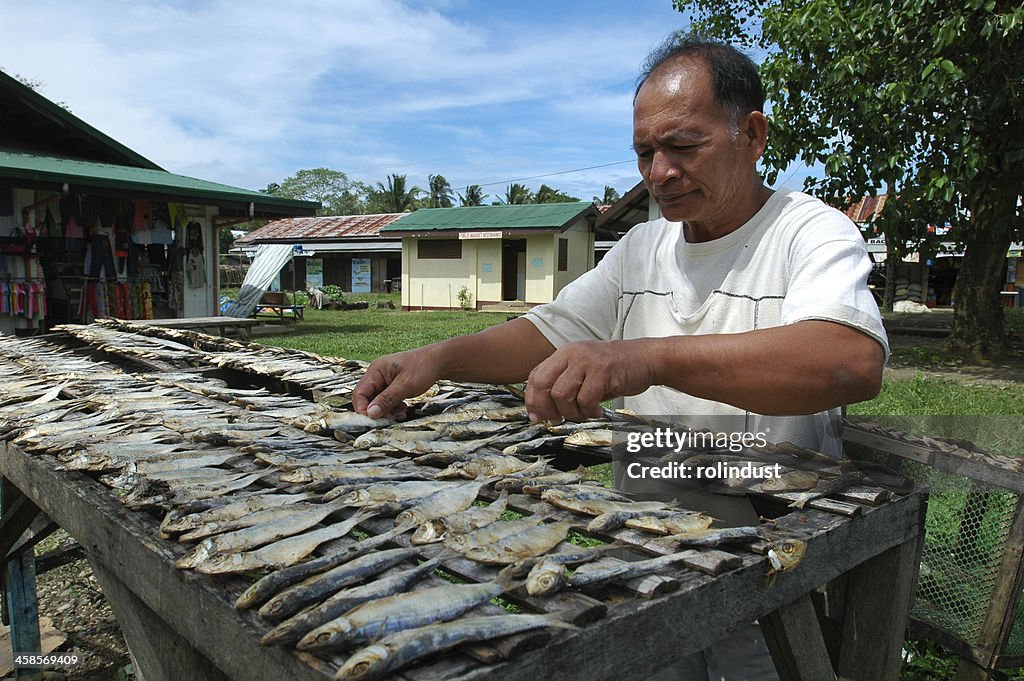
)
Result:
{"points": [[563, 255], [439, 249]]}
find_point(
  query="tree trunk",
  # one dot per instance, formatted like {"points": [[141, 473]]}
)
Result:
{"points": [[977, 307], [892, 267]]}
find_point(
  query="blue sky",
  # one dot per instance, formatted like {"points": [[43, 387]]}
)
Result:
{"points": [[248, 93]]}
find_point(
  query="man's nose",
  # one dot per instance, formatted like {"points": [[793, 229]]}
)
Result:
{"points": [[663, 168]]}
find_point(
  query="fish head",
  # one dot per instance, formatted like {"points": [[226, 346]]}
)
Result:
{"points": [[786, 555], [545, 579], [326, 636], [369, 663], [428, 533]]}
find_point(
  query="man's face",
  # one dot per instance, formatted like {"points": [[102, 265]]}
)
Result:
{"points": [[693, 160]]}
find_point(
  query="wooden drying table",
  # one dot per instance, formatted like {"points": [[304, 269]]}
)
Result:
{"points": [[221, 324], [183, 625]]}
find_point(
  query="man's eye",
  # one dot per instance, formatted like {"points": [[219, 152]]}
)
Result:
{"points": [[644, 153]]}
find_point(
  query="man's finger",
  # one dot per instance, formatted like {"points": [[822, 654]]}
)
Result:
{"points": [[388, 402]]}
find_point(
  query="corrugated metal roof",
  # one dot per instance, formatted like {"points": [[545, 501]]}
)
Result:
{"points": [[520, 216], [326, 227], [867, 208], [86, 175]]}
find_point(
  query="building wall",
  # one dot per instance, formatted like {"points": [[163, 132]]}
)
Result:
{"points": [[435, 283], [488, 268], [581, 254], [201, 302]]}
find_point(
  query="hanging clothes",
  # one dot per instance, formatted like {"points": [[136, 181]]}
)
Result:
{"points": [[195, 269]]}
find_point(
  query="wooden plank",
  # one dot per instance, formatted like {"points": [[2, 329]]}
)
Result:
{"points": [[19, 580], [16, 517], [160, 653], [796, 643], [994, 470]]}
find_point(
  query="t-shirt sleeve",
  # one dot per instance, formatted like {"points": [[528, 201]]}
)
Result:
{"points": [[587, 308], [829, 282]]}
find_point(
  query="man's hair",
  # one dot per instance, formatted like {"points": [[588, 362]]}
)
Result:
{"points": [[734, 77]]}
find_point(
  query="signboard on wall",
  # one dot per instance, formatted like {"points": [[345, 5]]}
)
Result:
{"points": [[480, 235], [314, 273], [360, 275]]}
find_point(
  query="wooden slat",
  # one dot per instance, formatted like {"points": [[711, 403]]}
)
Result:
{"points": [[796, 643]]}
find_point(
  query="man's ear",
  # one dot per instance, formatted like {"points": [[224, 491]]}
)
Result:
{"points": [[754, 133]]}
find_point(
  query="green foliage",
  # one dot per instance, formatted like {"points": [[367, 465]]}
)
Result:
{"points": [[920, 98], [517, 193], [392, 196], [548, 194], [474, 196], [609, 196], [441, 195], [465, 298], [224, 240], [336, 193]]}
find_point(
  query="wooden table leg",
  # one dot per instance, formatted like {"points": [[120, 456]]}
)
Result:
{"points": [[20, 579], [878, 598], [795, 641]]}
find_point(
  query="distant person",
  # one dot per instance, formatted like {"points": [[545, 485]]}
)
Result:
{"points": [[739, 302]]}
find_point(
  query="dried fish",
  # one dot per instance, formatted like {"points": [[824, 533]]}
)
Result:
{"points": [[291, 630], [293, 599], [228, 512], [269, 585], [532, 542], [593, 573], [398, 650], [677, 523], [384, 616], [280, 553], [442, 503], [462, 522]]}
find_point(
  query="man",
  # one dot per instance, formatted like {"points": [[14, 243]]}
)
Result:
{"points": [[741, 302]]}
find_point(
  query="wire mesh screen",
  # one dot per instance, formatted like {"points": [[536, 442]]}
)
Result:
{"points": [[966, 529]]}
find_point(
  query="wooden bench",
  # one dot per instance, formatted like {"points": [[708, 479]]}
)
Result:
{"points": [[274, 304]]}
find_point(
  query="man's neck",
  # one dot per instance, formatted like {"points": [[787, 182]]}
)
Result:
{"points": [[702, 231]]}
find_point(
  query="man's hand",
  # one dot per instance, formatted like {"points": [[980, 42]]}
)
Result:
{"points": [[391, 379], [572, 382]]}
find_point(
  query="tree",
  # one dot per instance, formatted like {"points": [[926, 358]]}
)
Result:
{"points": [[440, 192], [517, 193], [474, 196], [336, 193], [920, 98], [393, 197], [609, 197], [548, 194]]}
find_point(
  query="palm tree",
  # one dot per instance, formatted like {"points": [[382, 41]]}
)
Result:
{"points": [[394, 197], [548, 194], [610, 196], [440, 192], [474, 196], [517, 194]]}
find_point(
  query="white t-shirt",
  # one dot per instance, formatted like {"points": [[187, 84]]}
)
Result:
{"points": [[796, 259]]}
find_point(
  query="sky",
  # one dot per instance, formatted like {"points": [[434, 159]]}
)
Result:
{"points": [[248, 93]]}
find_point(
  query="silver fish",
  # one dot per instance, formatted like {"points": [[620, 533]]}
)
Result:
{"points": [[531, 542], [462, 522], [293, 629], [280, 553], [228, 512], [293, 599], [401, 611], [271, 584], [592, 573], [398, 650], [442, 503]]}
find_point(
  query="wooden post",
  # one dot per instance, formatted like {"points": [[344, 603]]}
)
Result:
{"points": [[20, 584], [1002, 609]]}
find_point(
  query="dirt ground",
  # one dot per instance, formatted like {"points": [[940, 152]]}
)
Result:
{"points": [[72, 598]]}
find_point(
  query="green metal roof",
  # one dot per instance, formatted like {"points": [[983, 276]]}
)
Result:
{"points": [[528, 216], [31, 122], [53, 172]]}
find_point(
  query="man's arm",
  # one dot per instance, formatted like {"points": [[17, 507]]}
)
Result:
{"points": [[799, 368], [505, 353]]}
